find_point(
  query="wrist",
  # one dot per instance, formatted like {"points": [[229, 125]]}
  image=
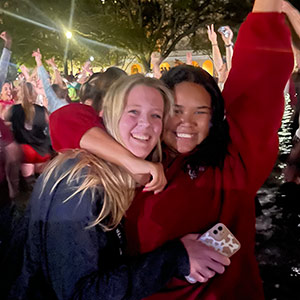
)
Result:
{"points": [[214, 44], [129, 162], [7, 45], [229, 45]]}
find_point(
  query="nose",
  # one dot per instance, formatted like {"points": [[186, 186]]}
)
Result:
{"points": [[144, 120], [187, 118]]}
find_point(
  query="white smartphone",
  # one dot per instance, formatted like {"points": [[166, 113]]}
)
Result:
{"points": [[223, 30], [221, 239]]}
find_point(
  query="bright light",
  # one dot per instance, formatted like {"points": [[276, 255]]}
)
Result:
{"points": [[92, 58], [69, 34]]}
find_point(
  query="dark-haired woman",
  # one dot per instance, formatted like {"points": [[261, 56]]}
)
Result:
{"points": [[214, 163]]}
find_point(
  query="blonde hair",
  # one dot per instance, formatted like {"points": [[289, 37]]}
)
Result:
{"points": [[118, 186], [27, 97]]}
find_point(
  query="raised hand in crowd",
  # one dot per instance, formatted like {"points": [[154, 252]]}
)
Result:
{"points": [[57, 76], [87, 67], [212, 36], [216, 53], [38, 57], [84, 74], [55, 98], [156, 60], [189, 58], [25, 72], [7, 39], [51, 62], [227, 36]]}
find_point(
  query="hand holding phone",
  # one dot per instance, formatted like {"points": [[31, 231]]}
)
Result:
{"points": [[223, 30], [221, 239]]}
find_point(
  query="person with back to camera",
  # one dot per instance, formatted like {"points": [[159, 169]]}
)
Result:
{"points": [[75, 245], [214, 162], [29, 124]]}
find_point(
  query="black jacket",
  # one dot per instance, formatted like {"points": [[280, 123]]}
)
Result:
{"points": [[65, 260]]}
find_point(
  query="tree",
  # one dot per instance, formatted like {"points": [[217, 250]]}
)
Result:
{"points": [[141, 26], [42, 24], [112, 30]]}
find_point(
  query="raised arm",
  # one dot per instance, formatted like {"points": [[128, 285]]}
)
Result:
{"points": [[54, 102], [155, 61], [25, 72], [57, 77], [253, 94], [189, 58], [217, 57], [227, 38], [85, 73], [5, 57]]}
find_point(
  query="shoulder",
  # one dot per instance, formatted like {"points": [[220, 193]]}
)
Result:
{"points": [[60, 195], [39, 108]]}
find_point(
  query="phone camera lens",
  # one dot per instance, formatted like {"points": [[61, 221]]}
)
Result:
{"points": [[215, 232], [220, 228]]}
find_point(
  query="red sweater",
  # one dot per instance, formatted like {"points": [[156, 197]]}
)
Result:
{"points": [[254, 102]]}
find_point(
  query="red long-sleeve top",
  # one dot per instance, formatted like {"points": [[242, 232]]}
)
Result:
{"points": [[254, 102]]}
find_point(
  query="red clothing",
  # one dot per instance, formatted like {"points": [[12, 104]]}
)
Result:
{"points": [[69, 123], [254, 103], [6, 103], [31, 156]]}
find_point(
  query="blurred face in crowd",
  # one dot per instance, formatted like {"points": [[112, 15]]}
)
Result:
{"points": [[6, 92], [141, 123], [190, 124]]}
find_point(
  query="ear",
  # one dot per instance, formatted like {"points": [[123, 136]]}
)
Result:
{"points": [[101, 113], [88, 102]]}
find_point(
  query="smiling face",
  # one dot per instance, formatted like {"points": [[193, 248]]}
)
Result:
{"points": [[190, 124], [141, 124], [6, 92]]}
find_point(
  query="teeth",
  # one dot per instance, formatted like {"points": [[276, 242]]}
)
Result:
{"points": [[141, 137], [184, 135]]}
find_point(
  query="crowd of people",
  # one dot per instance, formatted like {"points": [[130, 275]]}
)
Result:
{"points": [[140, 167]]}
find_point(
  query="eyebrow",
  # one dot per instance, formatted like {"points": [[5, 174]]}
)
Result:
{"points": [[198, 107]]}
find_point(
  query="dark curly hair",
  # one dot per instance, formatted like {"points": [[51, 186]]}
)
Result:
{"points": [[212, 151]]}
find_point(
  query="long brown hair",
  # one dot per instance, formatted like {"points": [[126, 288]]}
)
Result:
{"points": [[27, 96]]}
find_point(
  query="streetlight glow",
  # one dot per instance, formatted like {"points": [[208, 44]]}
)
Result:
{"points": [[69, 34]]}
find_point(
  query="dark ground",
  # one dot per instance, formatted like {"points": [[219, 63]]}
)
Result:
{"points": [[278, 227], [278, 241]]}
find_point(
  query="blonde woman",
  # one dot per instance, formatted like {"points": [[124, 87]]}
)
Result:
{"points": [[75, 246]]}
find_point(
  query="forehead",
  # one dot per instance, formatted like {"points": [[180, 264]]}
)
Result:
{"points": [[143, 95], [190, 94], [6, 85]]}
